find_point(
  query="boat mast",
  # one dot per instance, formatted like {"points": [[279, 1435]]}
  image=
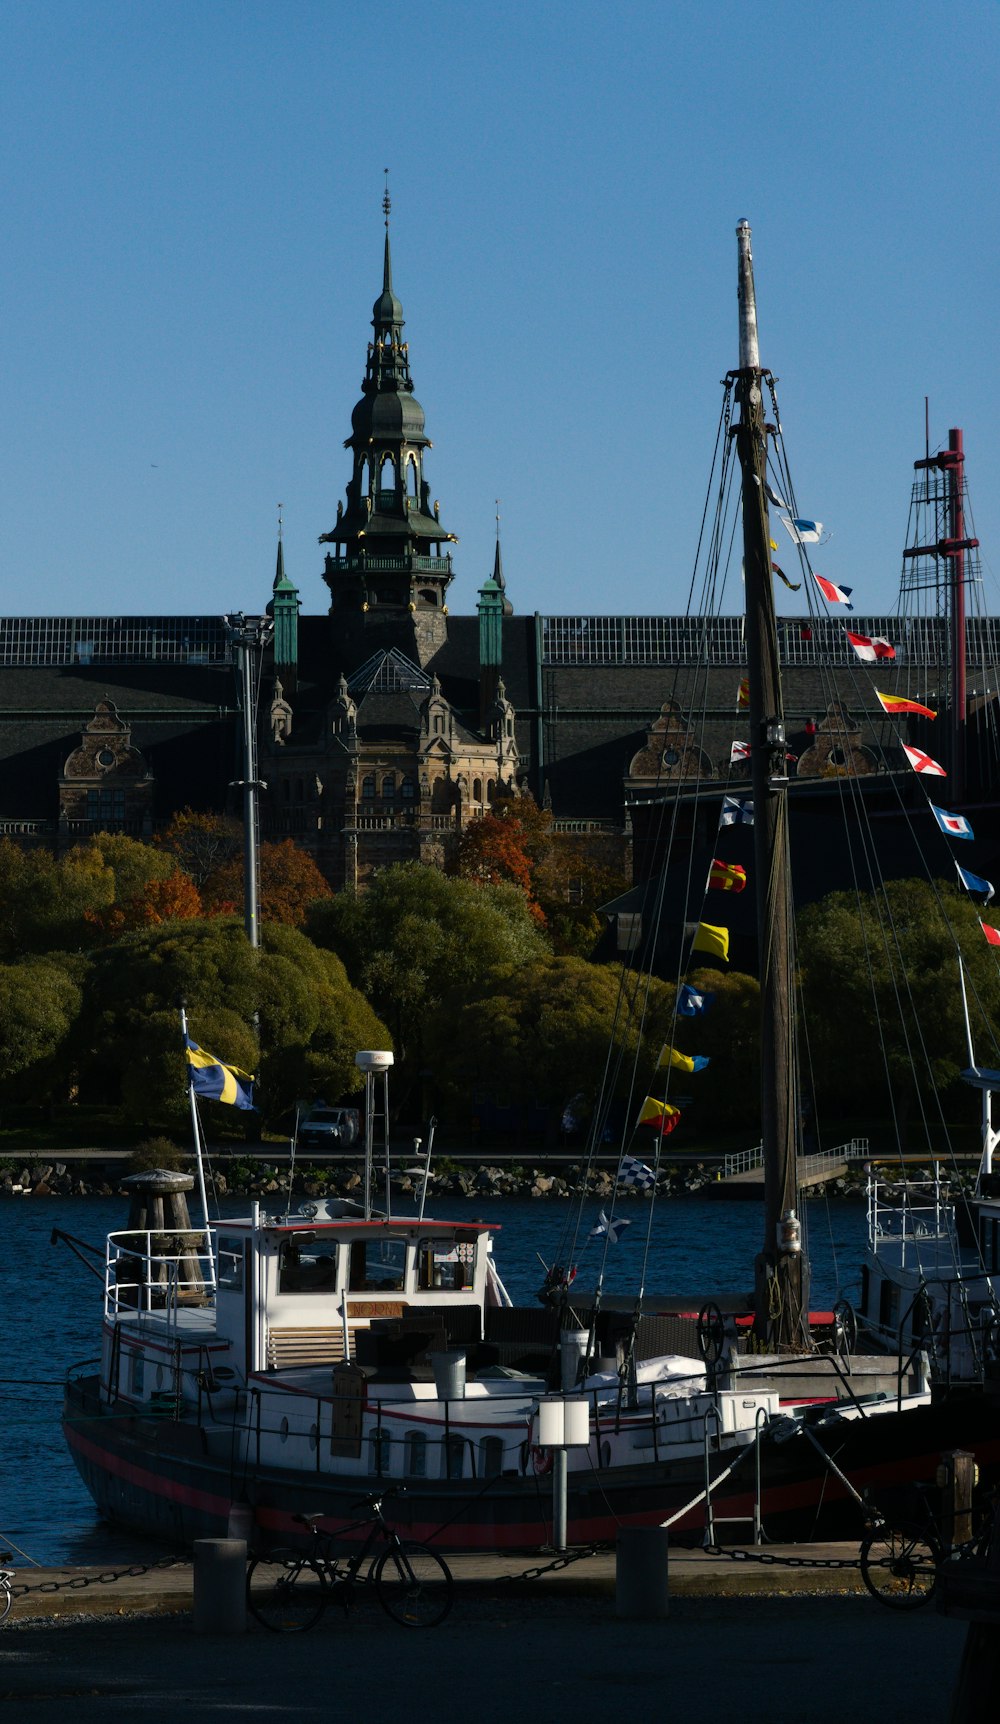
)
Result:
{"points": [[781, 1275]]}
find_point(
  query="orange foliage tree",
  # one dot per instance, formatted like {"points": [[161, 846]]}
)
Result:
{"points": [[173, 899], [288, 882], [495, 851]]}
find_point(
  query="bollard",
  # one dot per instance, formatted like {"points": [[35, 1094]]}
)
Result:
{"points": [[642, 1573], [220, 1586]]}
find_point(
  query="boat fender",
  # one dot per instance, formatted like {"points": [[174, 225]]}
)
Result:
{"points": [[541, 1460]]}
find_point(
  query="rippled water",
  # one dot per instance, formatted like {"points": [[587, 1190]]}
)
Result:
{"points": [[52, 1310]]}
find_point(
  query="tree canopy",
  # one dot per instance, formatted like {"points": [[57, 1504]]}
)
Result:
{"points": [[886, 967], [311, 1021]]}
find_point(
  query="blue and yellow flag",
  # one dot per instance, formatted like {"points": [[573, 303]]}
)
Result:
{"points": [[217, 1082]]}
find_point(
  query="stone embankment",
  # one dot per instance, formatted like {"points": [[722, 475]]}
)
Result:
{"points": [[485, 1183]]}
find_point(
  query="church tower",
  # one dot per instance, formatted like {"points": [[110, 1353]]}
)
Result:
{"points": [[387, 560]]}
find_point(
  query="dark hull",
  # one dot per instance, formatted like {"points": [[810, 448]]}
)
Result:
{"points": [[154, 1476]]}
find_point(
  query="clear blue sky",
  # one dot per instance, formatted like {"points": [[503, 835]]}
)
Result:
{"points": [[192, 245]]}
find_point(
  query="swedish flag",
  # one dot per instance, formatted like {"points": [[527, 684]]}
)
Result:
{"points": [[215, 1081]]}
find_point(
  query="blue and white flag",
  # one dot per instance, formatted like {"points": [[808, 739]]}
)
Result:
{"points": [[636, 1174], [973, 883], [802, 532], [611, 1230], [955, 825], [735, 812], [691, 1002]]}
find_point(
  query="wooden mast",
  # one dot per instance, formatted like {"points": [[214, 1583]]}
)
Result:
{"points": [[781, 1274]]}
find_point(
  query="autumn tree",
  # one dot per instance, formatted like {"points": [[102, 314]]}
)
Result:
{"points": [[288, 881], [565, 879], [202, 843]]}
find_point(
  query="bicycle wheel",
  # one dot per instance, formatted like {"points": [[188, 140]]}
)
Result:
{"points": [[286, 1591], [6, 1599], [414, 1585], [899, 1567]]}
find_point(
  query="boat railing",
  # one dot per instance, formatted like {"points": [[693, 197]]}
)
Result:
{"points": [[157, 1270], [914, 1215]]}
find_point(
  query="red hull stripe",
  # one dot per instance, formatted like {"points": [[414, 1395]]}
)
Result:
{"points": [[205, 1501]]}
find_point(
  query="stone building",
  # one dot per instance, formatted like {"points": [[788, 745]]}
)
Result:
{"points": [[388, 723]]}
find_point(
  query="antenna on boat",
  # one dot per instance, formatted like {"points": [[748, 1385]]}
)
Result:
{"points": [[376, 1065]]}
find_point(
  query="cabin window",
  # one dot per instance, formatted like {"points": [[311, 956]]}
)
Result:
{"points": [[230, 1265], [445, 1265], [416, 1454], [137, 1373], [378, 1265], [490, 1457], [379, 1452], [314, 1436], [283, 1431], [307, 1265], [454, 1457]]}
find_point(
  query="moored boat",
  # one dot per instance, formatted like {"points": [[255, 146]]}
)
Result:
{"points": [[277, 1364]]}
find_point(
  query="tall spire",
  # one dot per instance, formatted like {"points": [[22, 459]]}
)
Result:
{"points": [[387, 261], [284, 608], [388, 533]]}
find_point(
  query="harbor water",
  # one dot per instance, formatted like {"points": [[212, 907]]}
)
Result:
{"points": [[692, 1246]]}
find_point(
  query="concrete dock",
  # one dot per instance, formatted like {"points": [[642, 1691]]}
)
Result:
{"points": [[758, 1641]]}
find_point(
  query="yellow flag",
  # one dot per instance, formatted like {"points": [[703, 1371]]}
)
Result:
{"points": [[673, 1057], [714, 940]]}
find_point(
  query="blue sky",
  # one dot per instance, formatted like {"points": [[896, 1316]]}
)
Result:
{"points": [[193, 244]]}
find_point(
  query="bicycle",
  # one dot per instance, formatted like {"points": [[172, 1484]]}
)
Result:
{"points": [[7, 1577], [901, 1560], [412, 1583]]}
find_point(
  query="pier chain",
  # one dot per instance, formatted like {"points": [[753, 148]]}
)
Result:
{"points": [[107, 1577]]}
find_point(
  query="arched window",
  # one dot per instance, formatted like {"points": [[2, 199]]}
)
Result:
{"points": [[411, 477], [477, 790], [415, 1461], [368, 784], [388, 785], [490, 789], [429, 595], [408, 789], [387, 474], [490, 1457]]}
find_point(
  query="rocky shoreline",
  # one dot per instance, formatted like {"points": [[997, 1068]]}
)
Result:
{"points": [[485, 1182]]}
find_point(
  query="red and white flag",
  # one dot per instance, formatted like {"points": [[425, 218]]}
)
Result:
{"points": [[830, 590], [870, 647], [739, 751], [992, 934], [922, 762]]}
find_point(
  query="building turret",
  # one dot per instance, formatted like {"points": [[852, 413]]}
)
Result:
{"points": [[388, 538], [284, 608]]}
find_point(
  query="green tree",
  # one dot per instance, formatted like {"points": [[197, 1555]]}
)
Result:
{"points": [[882, 996], [414, 935], [311, 1020], [39, 1004]]}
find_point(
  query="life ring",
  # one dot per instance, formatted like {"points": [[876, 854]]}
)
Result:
{"points": [[541, 1460]]}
